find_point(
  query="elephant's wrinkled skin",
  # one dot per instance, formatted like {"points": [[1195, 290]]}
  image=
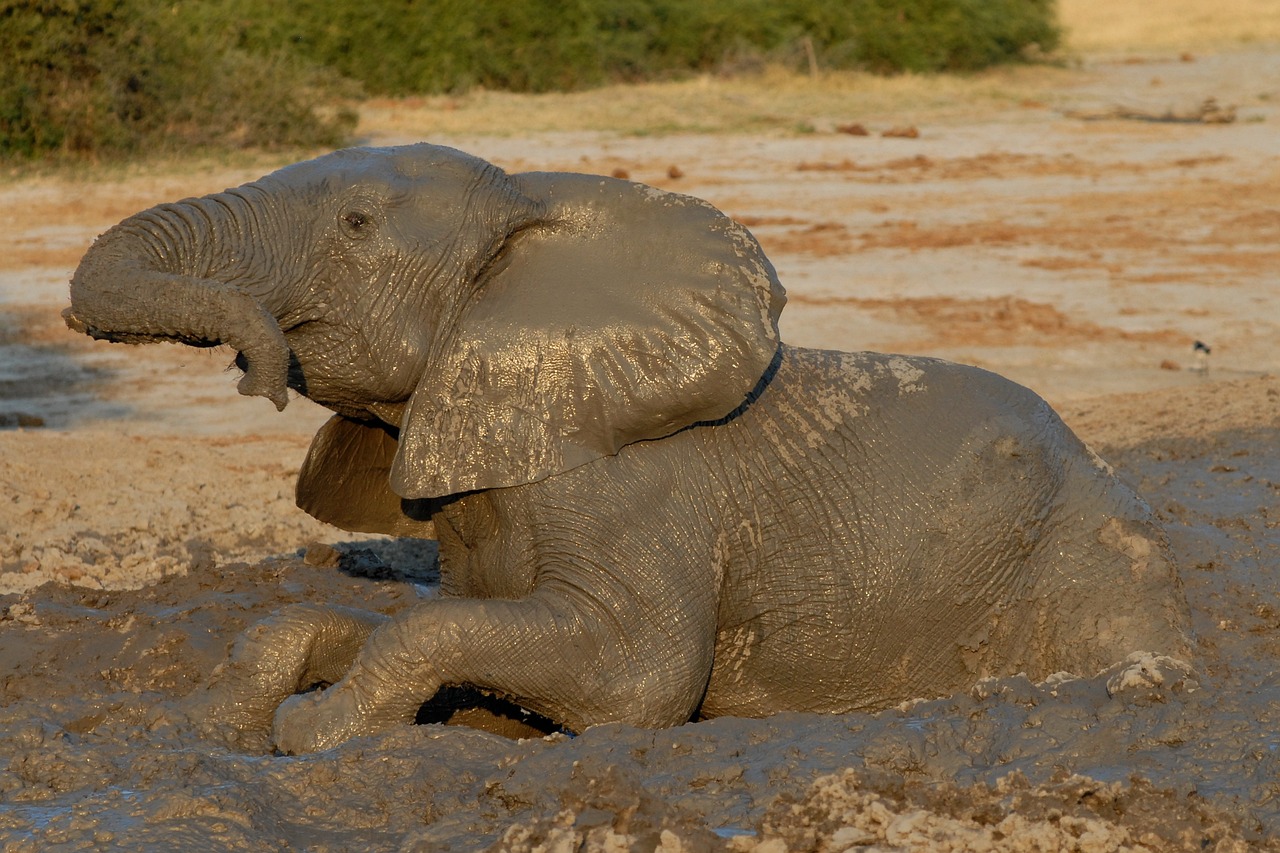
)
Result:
{"points": [[648, 508]]}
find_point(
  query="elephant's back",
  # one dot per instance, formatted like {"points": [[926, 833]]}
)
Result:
{"points": [[836, 423], [892, 505]]}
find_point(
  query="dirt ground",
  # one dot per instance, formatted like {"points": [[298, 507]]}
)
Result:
{"points": [[146, 510]]}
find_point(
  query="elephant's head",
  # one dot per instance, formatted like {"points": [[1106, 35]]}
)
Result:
{"points": [[491, 329], [331, 275]]}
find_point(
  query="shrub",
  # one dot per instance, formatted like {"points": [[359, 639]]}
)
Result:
{"points": [[103, 78], [950, 35], [97, 78], [401, 47]]}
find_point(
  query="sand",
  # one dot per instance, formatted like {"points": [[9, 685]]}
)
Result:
{"points": [[146, 510]]}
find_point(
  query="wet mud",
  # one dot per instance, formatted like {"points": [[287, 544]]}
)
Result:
{"points": [[148, 518], [1149, 753]]}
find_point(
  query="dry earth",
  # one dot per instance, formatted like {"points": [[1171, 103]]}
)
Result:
{"points": [[146, 512]]}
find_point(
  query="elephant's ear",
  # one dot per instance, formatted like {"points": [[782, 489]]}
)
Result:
{"points": [[344, 481], [626, 314]]}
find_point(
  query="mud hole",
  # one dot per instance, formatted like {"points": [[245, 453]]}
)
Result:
{"points": [[151, 517]]}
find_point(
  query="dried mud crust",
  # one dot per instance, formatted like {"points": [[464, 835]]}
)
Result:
{"points": [[124, 512]]}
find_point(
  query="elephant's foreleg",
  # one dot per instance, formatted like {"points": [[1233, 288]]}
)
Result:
{"points": [[552, 653], [299, 647]]}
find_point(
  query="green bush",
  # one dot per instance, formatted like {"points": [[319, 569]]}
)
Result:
{"points": [[432, 46], [105, 78], [950, 35], [95, 78]]}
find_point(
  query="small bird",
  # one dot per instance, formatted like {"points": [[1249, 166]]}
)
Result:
{"points": [[1202, 350]]}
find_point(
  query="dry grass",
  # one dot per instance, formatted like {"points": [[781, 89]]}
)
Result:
{"points": [[774, 101], [786, 103], [1117, 26]]}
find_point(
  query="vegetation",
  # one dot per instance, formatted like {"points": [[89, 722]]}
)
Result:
{"points": [[434, 46], [102, 78], [105, 78]]}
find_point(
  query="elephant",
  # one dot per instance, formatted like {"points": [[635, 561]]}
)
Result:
{"points": [[649, 509]]}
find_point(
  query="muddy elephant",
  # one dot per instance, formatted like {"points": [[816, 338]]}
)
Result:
{"points": [[648, 508]]}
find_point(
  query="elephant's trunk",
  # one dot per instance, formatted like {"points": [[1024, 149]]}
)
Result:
{"points": [[177, 272]]}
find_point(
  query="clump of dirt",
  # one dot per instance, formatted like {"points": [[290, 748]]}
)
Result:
{"points": [[1069, 812], [609, 809]]}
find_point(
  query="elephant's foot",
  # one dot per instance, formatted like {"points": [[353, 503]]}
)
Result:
{"points": [[323, 719], [301, 646], [384, 686]]}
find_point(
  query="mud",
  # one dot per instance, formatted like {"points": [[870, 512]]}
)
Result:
{"points": [[150, 518]]}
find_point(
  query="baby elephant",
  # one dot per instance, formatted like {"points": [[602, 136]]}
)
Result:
{"points": [[649, 509]]}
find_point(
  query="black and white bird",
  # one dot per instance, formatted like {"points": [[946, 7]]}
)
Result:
{"points": [[1202, 350]]}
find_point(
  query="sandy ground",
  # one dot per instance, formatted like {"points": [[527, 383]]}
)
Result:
{"points": [[146, 511]]}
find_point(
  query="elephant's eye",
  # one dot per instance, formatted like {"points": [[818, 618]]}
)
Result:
{"points": [[355, 221]]}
